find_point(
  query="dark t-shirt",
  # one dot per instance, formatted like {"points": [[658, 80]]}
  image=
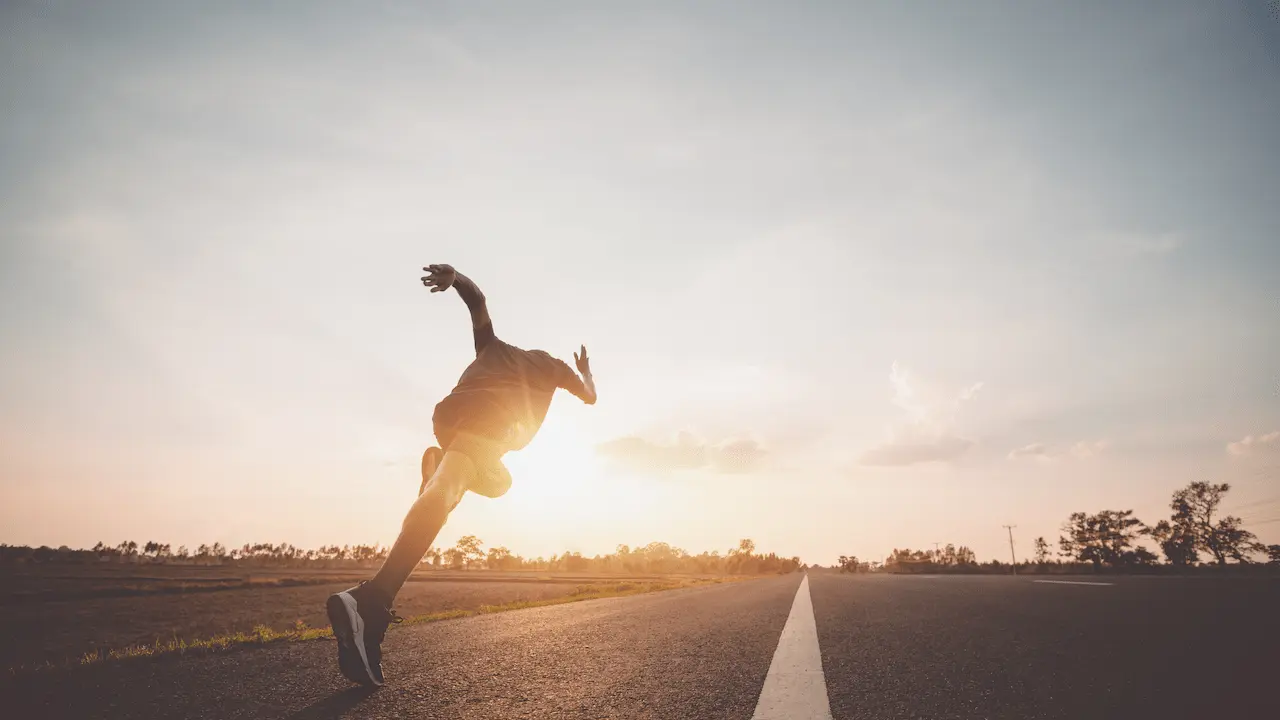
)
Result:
{"points": [[504, 393]]}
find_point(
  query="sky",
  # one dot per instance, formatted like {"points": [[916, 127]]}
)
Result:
{"points": [[853, 276]]}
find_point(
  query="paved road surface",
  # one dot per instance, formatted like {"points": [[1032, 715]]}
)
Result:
{"points": [[856, 647]]}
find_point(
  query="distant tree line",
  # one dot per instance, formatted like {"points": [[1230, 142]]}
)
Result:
{"points": [[250, 554], [655, 558], [1110, 540], [468, 554], [943, 559], [1195, 530]]}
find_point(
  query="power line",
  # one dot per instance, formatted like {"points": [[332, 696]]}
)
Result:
{"points": [[1253, 503]]}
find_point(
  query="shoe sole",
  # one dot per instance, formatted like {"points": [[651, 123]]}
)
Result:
{"points": [[348, 629]]}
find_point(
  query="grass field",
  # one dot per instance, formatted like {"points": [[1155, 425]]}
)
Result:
{"points": [[59, 614]]}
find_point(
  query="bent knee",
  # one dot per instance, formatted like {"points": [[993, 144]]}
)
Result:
{"points": [[452, 477], [492, 481]]}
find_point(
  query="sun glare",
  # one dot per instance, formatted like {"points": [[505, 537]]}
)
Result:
{"points": [[560, 478], [558, 461]]}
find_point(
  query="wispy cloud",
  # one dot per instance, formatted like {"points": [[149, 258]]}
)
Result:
{"points": [[1255, 444], [970, 391], [1086, 449], [900, 452], [928, 434], [686, 453], [1034, 450], [1082, 450]]}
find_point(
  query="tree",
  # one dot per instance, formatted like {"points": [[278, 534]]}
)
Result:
{"points": [[1177, 541], [1042, 551], [573, 561], [499, 558], [455, 557], [850, 564], [1193, 509], [906, 560], [1106, 538], [746, 546], [1234, 541], [1273, 554], [952, 556], [469, 546]]}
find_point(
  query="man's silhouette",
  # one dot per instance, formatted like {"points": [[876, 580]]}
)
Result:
{"points": [[498, 405]]}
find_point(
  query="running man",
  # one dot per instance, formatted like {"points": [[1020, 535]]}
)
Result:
{"points": [[497, 406]]}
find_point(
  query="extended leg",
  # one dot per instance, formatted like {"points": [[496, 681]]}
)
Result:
{"points": [[425, 519], [360, 616]]}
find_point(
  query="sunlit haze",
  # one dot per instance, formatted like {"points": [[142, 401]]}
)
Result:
{"points": [[851, 277]]}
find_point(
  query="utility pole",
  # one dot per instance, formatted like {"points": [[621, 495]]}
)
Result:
{"points": [[1011, 555]]}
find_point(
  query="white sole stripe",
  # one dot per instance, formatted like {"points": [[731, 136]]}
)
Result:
{"points": [[795, 688], [357, 632]]}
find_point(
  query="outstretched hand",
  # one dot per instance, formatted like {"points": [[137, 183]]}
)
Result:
{"points": [[582, 361], [439, 277]]}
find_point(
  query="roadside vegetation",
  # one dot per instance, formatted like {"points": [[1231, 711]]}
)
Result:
{"points": [[62, 606], [300, 632], [1196, 537], [469, 553]]}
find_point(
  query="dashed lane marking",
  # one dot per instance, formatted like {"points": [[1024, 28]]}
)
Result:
{"points": [[1071, 582]]}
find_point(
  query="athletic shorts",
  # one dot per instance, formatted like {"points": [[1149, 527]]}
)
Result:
{"points": [[470, 427]]}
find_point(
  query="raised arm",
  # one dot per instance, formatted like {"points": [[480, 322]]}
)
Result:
{"points": [[585, 388], [442, 277]]}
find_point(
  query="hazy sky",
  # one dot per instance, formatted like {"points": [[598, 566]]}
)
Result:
{"points": [[853, 276]]}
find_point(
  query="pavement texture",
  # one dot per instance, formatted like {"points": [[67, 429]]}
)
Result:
{"points": [[1002, 647], [891, 647]]}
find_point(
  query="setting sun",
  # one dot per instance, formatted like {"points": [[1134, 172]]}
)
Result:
{"points": [[557, 464], [561, 482]]}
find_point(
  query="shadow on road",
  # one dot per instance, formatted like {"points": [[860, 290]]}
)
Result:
{"points": [[333, 706]]}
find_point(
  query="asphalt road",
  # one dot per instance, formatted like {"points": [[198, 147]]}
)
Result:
{"points": [[864, 647]]}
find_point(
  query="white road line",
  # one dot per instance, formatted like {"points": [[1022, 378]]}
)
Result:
{"points": [[1071, 582], [795, 688]]}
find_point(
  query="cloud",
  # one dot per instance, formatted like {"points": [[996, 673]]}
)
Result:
{"points": [[738, 456], [1032, 450], [927, 434], [687, 453], [1251, 444], [969, 392], [1083, 450], [902, 452]]}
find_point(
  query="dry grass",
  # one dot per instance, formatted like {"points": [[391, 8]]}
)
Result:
{"points": [[261, 635], [93, 616], [264, 635]]}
